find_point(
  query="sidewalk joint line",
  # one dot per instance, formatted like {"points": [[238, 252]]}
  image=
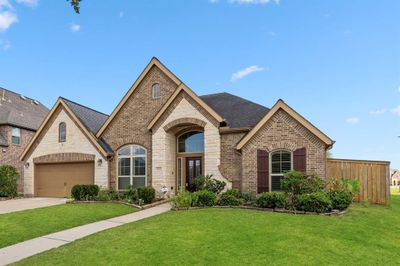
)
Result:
{"points": [[57, 239]]}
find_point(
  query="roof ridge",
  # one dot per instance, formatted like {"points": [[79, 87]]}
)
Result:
{"points": [[19, 94], [84, 106]]}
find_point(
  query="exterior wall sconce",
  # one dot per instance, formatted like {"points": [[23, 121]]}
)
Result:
{"points": [[99, 162], [27, 165]]}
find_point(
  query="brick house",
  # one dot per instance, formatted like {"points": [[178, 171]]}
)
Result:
{"points": [[395, 178], [162, 134], [20, 117]]}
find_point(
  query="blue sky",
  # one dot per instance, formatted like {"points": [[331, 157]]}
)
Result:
{"points": [[335, 62]]}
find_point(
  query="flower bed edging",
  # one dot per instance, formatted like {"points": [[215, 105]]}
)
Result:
{"points": [[332, 213]]}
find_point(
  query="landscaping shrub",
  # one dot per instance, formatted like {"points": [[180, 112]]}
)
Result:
{"points": [[131, 194], [103, 195], [249, 198], [182, 200], [297, 183], [341, 199], [314, 202], [229, 199], [272, 200], [85, 192], [147, 194], [350, 185], [8, 181], [234, 192], [208, 183], [204, 198]]}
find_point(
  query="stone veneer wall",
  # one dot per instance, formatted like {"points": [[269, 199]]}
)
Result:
{"points": [[282, 132], [129, 126], [164, 143], [10, 155], [231, 159], [76, 142]]}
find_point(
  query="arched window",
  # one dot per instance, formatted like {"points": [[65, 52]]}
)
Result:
{"points": [[281, 162], [132, 162], [62, 132], [191, 142], [156, 91]]}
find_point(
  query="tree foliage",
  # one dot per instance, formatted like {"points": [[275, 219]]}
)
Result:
{"points": [[75, 5]]}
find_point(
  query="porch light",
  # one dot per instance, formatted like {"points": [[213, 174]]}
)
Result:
{"points": [[99, 162], [27, 165]]}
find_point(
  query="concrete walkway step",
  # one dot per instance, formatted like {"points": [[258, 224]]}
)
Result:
{"points": [[38, 245]]}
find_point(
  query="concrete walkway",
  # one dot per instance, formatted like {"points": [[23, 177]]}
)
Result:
{"points": [[15, 205], [35, 246]]}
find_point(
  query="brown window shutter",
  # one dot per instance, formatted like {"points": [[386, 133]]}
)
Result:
{"points": [[262, 171], [300, 160]]}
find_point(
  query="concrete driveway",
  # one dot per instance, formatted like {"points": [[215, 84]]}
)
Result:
{"points": [[8, 206]]}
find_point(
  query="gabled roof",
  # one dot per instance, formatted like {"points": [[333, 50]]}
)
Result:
{"points": [[92, 119], [20, 111], [154, 62], [281, 105], [237, 112], [196, 98], [79, 114]]}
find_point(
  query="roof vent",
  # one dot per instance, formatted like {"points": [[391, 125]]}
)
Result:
{"points": [[22, 97]]}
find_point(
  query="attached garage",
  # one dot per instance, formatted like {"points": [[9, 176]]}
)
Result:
{"points": [[57, 179]]}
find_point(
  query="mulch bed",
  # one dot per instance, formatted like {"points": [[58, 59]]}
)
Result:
{"points": [[332, 213]]}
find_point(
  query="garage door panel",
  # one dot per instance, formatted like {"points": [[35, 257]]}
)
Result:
{"points": [[57, 180]]}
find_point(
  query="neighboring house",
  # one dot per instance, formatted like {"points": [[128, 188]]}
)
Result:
{"points": [[20, 117], [395, 178], [162, 134]]}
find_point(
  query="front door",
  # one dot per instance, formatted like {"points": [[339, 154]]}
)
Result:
{"points": [[193, 170]]}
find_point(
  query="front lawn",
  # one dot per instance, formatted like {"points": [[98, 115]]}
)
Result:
{"points": [[367, 235], [20, 226]]}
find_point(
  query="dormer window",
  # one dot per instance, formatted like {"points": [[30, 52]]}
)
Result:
{"points": [[156, 91], [16, 136], [62, 132]]}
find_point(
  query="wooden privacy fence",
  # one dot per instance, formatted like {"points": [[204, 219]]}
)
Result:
{"points": [[374, 177]]}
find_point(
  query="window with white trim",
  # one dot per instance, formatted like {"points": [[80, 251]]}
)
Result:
{"points": [[281, 162], [156, 91], [132, 162], [16, 136]]}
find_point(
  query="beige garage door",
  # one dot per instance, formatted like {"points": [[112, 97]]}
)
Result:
{"points": [[57, 180]]}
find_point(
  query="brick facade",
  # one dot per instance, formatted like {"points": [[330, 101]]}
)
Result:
{"points": [[129, 126], [282, 132], [10, 154]]}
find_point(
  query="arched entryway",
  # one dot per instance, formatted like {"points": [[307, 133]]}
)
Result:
{"points": [[189, 158]]}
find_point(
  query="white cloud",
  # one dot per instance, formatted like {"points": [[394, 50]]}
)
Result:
{"points": [[75, 27], [245, 72], [28, 2], [353, 120], [396, 110], [378, 112], [7, 15], [253, 2], [5, 45]]}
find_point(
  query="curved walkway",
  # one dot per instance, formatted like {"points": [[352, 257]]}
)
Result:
{"points": [[35, 246]]}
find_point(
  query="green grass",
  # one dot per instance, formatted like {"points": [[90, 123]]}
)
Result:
{"points": [[20, 226], [364, 236]]}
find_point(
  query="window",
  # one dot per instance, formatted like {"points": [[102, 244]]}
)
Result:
{"points": [[156, 91], [62, 132], [281, 162], [16, 136], [131, 167], [191, 142]]}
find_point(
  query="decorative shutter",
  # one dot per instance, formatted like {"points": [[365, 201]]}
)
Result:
{"points": [[262, 171], [300, 160]]}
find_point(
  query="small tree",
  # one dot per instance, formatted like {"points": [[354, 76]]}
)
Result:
{"points": [[75, 5], [8, 181]]}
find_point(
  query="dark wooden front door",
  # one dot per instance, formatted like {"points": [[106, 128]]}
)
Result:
{"points": [[193, 170]]}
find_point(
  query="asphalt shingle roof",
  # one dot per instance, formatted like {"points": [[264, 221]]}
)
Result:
{"points": [[20, 111], [238, 112], [92, 119]]}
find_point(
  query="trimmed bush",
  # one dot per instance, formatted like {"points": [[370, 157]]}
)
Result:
{"points": [[147, 194], [204, 198], [208, 183], [182, 200], [228, 199], [85, 192], [249, 198], [131, 194], [234, 192], [319, 202], [272, 200], [296, 183], [103, 195], [341, 199], [8, 181]]}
